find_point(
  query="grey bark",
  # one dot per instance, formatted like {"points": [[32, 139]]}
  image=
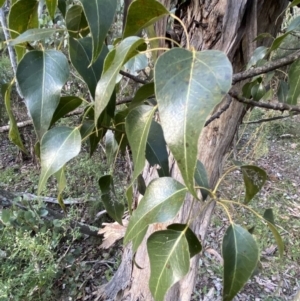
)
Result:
{"points": [[229, 26]]}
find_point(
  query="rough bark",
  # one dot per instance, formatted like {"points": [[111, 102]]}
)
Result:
{"points": [[229, 26]]}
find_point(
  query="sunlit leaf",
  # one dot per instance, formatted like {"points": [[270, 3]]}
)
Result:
{"points": [[51, 5], [161, 202], [201, 179], [168, 265], [258, 54], [294, 83], [269, 218], [23, 15], [142, 14], [41, 88], [112, 66], [113, 206], [77, 24], [99, 15], [137, 127], [156, 149], [188, 86], [111, 147], [254, 179], [195, 246], [66, 105], [13, 134], [58, 146], [240, 254], [81, 56]]}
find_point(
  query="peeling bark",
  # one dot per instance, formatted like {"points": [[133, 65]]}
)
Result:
{"points": [[229, 26]]}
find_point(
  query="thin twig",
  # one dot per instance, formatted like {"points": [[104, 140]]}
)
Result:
{"points": [[135, 78], [271, 119], [219, 112]]}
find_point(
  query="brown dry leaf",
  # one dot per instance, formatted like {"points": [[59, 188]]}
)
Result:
{"points": [[112, 232]]}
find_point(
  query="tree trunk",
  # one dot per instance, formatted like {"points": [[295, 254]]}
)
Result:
{"points": [[229, 26]]}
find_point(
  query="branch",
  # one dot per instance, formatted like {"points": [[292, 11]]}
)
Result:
{"points": [[279, 106], [270, 119], [266, 68], [220, 112], [135, 78]]}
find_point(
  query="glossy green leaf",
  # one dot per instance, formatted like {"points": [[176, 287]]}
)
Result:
{"points": [[41, 88], [51, 6], [201, 179], [169, 261], [23, 15], [247, 88], [156, 149], [66, 105], [31, 35], [137, 127], [269, 218], [294, 3], [141, 185], [142, 94], [294, 83], [113, 206], [195, 246], [100, 16], [254, 179], [58, 146], [282, 92], [62, 6], [112, 66], [13, 134], [240, 253], [188, 86], [258, 54], [258, 91], [77, 24], [111, 147], [81, 56], [161, 202], [142, 14]]}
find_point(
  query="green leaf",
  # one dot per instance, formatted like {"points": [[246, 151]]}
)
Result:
{"points": [[161, 202], [240, 253], [5, 215], [142, 94], [58, 146], [112, 66], [195, 246], [187, 89], [169, 261], [258, 54], [13, 134], [156, 149], [137, 127], [142, 14], [294, 82], [269, 218], [111, 147], [258, 91], [2, 2], [62, 6], [66, 105], [120, 134], [247, 88], [61, 183], [81, 56], [86, 128], [31, 35], [295, 23], [282, 92], [23, 15], [100, 16], [136, 64], [294, 3], [254, 179], [51, 5], [41, 88], [201, 179], [277, 42], [113, 206], [77, 24]]}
